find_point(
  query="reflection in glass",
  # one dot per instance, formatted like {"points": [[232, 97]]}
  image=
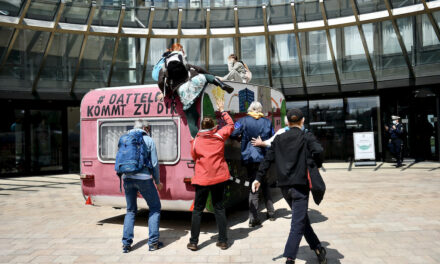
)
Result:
{"points": [[318, 60], [428, 51], [219, 51], [96, 62], [350, 55], [194, 51], [193, 18], [362, 116], [405, 26], [253, 53], [338, 8], [136, 17], [284, 58], [157, 48], [129, 62], [46, 140], [385, 51], [6, 34], [326, 120], [61, 62], [24, 61], [250, 16], [307, 11], [10, 8], [106, 16], [222, 18], [42, 9], [279, 14], [165, 18], [12, 141], [75, 13], [368, 6]]}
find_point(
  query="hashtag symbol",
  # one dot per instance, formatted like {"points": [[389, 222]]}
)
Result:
{"points": [[101, 99]]}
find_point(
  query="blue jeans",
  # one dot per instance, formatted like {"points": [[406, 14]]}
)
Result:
{"points": [[149, 192], [298, 199]]}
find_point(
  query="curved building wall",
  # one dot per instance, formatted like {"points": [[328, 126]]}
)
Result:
{"points": [[303, 47]]}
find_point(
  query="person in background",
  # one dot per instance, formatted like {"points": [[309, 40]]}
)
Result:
{"points": [[289, 151], [211, 174], [238, 71], [254, 125], [395, 144], [142, 182]]}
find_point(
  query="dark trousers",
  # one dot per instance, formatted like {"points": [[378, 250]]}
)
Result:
{"points": [[298, 199], [252, 169], [217, 195], [396, 149], [192, 118]]}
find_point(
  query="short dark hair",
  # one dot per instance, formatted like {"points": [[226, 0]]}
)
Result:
{"points": [[294, 115], [207, 123]]}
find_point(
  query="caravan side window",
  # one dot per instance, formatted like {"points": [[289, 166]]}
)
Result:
{"points": [[164, 133]]}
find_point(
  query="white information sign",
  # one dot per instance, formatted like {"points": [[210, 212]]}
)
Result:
{"points": [[364, 146]]}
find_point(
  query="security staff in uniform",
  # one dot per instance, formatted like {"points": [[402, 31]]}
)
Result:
{"points": [[395, 143]]}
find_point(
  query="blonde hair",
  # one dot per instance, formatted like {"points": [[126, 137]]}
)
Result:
{"points": [[139, 123], [255, 107]]}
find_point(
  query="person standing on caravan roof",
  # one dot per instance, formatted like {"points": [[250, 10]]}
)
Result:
{"points": [[211, 173], [290, 151], [137, 146], [254, 125]]}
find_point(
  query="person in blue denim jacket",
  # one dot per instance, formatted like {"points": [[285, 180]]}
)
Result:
{"points": [[142, 182]]}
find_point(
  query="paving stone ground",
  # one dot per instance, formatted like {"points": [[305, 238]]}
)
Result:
{"points": [[369, 215]]}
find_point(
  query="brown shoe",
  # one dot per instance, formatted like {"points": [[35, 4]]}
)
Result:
{"points": [[222, 245], [192, 246]]}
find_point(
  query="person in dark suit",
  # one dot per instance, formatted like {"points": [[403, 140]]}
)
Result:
{"points": [[289, 151], [395, 143]]}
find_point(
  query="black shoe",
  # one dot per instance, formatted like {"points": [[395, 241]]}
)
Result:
{"points": [[155, 246], [192, 246], [222, 245], [271, 217], [126, 248], [223, 85], [255, 222], [290, 261], [320, 253]]}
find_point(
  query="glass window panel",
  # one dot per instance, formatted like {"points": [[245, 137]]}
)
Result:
{"points": [[129, 62], [163, 132], [137, 17], [6, 34], [401, 3], [157, 48], [250, 16], [385, 51], [46, 140], [427, 57], [96, 62], [279, 14], [194, 51], [61, 62], [326, 121], [42, 9], [194, 18], [368, 6], [106, 16], [350, 55], [250, 2], [361, 116], [10, 8], [317, 60], [253, 53], [284, 58], [222, 17], [73, 127], [165, 18], [405, 26], [25, 58], [338, 8], [307, 11], [220, 3], [219, 51], [75, 13], [12, 140]]}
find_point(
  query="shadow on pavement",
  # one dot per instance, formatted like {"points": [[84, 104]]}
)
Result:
{"points": [[316, 216], [309, 256]]}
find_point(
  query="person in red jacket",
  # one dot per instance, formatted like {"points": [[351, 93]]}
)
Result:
{"points": [[211, 174]]}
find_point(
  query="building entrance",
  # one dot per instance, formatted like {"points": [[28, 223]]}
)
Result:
{"points": [[419, 111]]}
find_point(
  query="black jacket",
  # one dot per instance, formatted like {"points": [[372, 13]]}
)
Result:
{"points": [[288, 152], [193, 71]]}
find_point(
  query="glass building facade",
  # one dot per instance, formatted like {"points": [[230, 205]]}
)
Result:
{"points": [[349, 64]]}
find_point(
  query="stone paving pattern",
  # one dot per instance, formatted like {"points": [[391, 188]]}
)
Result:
{"points": [[369, 215]]}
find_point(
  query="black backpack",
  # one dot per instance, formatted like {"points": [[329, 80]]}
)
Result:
{"points": [[176, 70]]}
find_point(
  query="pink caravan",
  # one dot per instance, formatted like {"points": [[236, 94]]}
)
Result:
{"points": [[108, 113]]}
